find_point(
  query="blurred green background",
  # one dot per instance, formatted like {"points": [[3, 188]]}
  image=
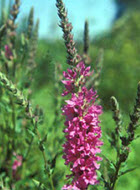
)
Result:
{"points": [[120, 76]]}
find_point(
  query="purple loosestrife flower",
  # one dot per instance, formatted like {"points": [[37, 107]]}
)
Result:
{"points": [[8, 52], [83, 131], [16, 164]]}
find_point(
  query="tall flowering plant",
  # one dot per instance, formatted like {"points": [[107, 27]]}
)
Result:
{"points": [[82, 130]]}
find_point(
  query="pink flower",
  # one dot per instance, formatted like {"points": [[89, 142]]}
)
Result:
{"points": [[16, 164], [83, 131], [8, 52], [75, 78]]}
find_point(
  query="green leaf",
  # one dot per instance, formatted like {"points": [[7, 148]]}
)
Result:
{"points": [[44, 139], [126, 171], [31, 132], [39, 184], [22, 39], [112, 165], [36, 182]]}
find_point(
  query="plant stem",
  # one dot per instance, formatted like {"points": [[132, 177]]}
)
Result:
{"points": [[51, 180], [42, 149], [29, 148], [13, 119], [118, 165]]}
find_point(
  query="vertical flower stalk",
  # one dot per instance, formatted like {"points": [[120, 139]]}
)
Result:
{"points": [[27, 39], [11, 32], [11, 25], [33, 48], [86, 38], [116, 114], [86, 57], [30, 23], [134, 119], [73, 57], [31, 56], [118, 120], [82, 129]]}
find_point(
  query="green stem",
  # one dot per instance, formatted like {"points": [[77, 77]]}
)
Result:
{"points": [[52, 185], [13, 120], [118, 165], [29, 148], [42, 150]]}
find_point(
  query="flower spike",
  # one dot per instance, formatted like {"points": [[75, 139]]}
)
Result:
{"points": [[73, 57]]}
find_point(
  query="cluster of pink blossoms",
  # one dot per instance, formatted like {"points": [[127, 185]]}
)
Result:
{"points": [[83, 131]]}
